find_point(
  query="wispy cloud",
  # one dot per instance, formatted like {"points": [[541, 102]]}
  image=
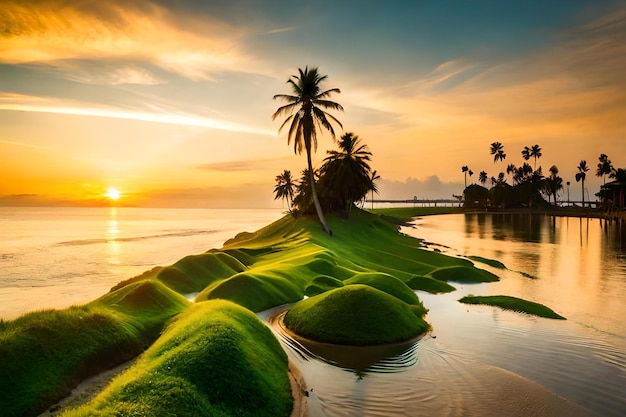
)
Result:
{"points": [[240, 166], [25, 145], [18, 102], [54, 30]]}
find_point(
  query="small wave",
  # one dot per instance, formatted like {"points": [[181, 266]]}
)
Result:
{"points": [[185, 233]]}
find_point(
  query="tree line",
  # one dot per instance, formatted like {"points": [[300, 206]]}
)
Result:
{"points": [[528, 183]]}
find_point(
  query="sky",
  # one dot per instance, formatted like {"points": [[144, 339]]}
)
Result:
{"points": [[170, 102]]}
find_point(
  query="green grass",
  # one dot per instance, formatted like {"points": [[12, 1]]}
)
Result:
{"points": [[491, 262], [463, 274], [356, 314], [215, 359], [428, 284], [513, 303], [45, 354]]}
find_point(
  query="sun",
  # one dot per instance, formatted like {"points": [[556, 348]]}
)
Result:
{"points": [[113, 194]]}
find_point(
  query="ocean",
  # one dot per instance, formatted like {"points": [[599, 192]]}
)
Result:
{"points": [[55, 257]]}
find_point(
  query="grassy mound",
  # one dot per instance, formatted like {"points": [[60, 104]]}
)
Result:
{"points": [[428, 284], [487, 261], [463, 274], [45, 354], [356, 315], [513, 303], [386, 283], [321, 284], [215, 359]]}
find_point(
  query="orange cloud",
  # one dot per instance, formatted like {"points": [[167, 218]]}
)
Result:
{"points": [[46, 31]]}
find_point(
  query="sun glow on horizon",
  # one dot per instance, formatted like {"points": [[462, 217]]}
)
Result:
{"points": [[113, 194]]}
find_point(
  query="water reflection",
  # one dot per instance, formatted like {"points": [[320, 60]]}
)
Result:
{"points": [[112, 235]]}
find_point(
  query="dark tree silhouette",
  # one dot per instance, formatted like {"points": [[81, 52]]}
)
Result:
{"points": [[510, 169], [373, 187], [306, 116], [482, 177], [581, 175], [554, 183], [284, 187], [526, 153], [346, 172], [604, 167], [497, 150], [535, 152], [464, 170]]}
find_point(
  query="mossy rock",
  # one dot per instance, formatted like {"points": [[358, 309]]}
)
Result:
{"points": [[356, 314], [428, 284], [514, 304], [467, 274], [386, 283], [321, 284]]}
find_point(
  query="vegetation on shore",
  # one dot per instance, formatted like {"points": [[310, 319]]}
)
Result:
{"points": [[514, 304], [215, 359]]}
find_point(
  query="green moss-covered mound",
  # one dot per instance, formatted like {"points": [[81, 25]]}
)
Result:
{"points": [[256, 291], [428, 284], [356, 315], [321, 284], [487, 261], [513, 303], [45, 354], [463, 274], [386, 283], [215, 359]]}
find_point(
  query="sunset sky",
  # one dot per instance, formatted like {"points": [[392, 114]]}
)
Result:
{"points": [[170, 102]]}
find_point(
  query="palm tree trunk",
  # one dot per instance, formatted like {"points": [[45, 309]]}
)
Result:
{"points": [[316, 201], [583, 185]]}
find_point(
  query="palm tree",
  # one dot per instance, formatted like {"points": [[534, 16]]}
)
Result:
{"points": [[581, 175], [482, 177], [510, 169], [604, 167], [306, 116], [464, 170], [526, 153], [284, 187], [554, 183], [497, 150], [373, 187], [470, 173], [347, 170], [535, 152]]}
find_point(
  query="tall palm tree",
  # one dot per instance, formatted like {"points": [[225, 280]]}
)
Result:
{"points": [[306, 115], [554, 183], [470, 173], [373, 187], [347, 170], [285, 187], [464, 170], [535, 152], [497, 150], [581, 175], [482, 177], [604, 167]]}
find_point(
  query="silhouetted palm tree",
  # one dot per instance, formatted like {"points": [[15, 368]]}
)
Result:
{"points": [[464, 170], [373, 187], [347, 170], [526, 153], [554, 183], [581, 175], [510, 169], [497, 150], [470, 173], [535, 152], [306, 117], [604, 167], [482, 177], [284, 187]]}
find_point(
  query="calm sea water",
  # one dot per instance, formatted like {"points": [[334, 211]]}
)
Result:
{"points": [[484, 361], [56, 257]]}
